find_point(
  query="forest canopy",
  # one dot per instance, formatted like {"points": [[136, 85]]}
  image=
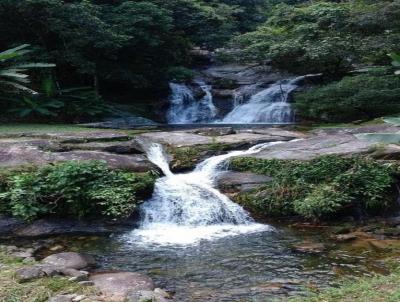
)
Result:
{"points": [[113, 50]]}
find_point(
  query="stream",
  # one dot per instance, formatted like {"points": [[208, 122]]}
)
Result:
{"points": [[194, 241]]}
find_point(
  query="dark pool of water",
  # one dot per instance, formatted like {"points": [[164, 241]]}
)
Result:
{"points": [[250, 267]]}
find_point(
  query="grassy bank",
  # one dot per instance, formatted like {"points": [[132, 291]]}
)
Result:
{"points": [[375, 289], [327, 187], [35, 291]]}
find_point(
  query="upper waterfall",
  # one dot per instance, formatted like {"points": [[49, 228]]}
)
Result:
{"points": [[250, 104], [267, 106], [186, 109]]}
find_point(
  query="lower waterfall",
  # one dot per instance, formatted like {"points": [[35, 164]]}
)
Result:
{"points": [[187, 208]]}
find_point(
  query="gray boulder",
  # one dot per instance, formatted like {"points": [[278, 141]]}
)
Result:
{"points": [[70, 260], [26, 274], [237, 181]]}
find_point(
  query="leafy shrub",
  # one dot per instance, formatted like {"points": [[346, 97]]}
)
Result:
{"points": [[75, 189], [322, 187], [352, 98]]}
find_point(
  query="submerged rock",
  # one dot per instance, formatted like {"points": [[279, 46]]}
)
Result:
{"points": [[309, 248], [119, 286]]}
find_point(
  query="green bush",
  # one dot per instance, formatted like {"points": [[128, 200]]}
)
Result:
{"points": [[327, 186], [74, 189], [353, 98]]}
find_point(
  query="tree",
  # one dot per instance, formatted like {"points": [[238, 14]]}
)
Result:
{"points": [[13, 74]]}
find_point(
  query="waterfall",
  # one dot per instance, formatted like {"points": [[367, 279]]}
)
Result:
{"points": [[186, 109], [267, 106], [250, 105], [187, 208]]}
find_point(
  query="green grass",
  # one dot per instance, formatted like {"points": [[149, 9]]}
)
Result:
{"points": [[54, 128], [41, 128], [375, 289], [35, 291]]}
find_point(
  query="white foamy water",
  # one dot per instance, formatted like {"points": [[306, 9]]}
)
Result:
{"points": [[186, 109], [270, 105], [187, 208]]}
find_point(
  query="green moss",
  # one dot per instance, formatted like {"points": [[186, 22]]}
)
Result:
{"points": [[325, 187], [186, 158]]}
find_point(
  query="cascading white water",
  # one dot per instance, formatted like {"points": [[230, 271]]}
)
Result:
{"points": [[186, 109], [250, 106], [186, 208], [267, 106]]}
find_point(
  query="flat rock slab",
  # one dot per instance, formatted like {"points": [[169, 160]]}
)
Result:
{"points": [[134, 163], [380, 128], [86, 136], [241, 181], [276, 132], [118, 286], [344, 144], [70, 260], [45, 228], [176, 138], [26, 153], [128, 147], [248, 139], [187, 139]]}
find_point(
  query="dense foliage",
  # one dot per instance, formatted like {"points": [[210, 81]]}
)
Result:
{"points": [[73, 189], [131, 43], [326, 36], [359, 97], [325, 187]]}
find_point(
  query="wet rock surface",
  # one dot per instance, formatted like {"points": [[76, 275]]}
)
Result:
{"points": [[53, 227], [118, 286]]}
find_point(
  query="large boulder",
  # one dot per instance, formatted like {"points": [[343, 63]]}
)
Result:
{"points": [[113, 148], [118, 286], [134, 163], [70, 260]]}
